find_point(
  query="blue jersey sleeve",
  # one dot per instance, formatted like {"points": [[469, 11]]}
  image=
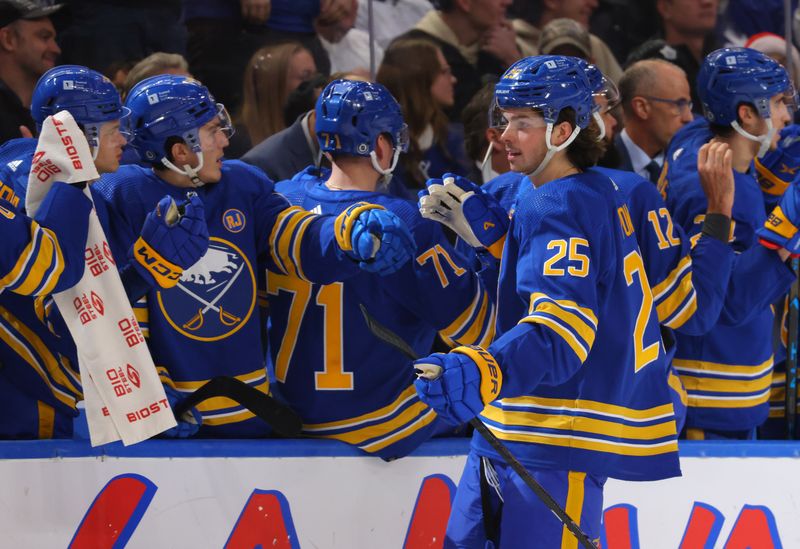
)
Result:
{"points": [[45, 254], [560, 262], [758, 276], [440, 285], [688, 282]]}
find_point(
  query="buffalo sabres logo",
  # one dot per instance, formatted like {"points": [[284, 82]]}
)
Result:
{"points": [[233, 220], [215, 297]]}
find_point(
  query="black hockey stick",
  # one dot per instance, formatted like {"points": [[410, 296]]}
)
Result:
{"points": [[280, 417], [389, 337], [791, 356]]}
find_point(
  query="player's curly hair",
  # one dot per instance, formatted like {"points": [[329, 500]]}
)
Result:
{"points": [[586, 150]]}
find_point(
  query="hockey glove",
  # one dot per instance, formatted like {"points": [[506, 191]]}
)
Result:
{"points": [[188, 424], [780, 230], [458, 385], [374, 237], [471, 213], [171, 242]]}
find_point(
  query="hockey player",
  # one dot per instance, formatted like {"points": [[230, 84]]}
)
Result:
{"points": [[40, 381], [578, 359], [727, 372], [346, 384], [205, 326]]}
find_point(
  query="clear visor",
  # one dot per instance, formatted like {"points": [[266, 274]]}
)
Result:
{"points": [[520, 120], [606, 96], [225, 122], [790, 100], [403, 138], [125, 125]]}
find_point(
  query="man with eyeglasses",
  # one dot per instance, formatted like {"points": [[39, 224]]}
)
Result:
{"points": [[655, 105]]}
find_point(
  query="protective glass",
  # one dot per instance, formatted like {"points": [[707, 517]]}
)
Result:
{"points": [[519, 122], [403, 138], [790, 100], [226, 124], [125, 125]]}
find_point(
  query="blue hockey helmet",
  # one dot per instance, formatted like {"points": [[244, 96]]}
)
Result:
{"points": [[732, 76], [550, 84], [167, 106], [87, 95], [352, 114]]}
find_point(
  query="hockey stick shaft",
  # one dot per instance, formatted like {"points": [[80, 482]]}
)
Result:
{"points": [[791, 356], [280, 417], [390, 338]]}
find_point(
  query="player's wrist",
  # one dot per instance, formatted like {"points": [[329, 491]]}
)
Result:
{"points": [[717, 225]]}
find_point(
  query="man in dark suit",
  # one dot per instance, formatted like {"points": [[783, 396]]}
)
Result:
{"points": [[656, 103], [287, 152]]}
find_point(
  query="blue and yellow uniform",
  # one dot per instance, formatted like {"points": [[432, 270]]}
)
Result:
{"points": [[728, 371], [345, 383], [39, 385], [207, 325]]}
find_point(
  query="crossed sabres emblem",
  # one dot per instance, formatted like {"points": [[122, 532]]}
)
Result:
{"points": [[218, 259]]}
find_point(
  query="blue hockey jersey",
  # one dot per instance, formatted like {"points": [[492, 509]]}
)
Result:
{"points": [[344, 382], [728, 371], [579, 343], [207, 325]]}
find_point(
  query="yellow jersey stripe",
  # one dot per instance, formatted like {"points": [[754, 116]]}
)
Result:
{"points": [[580, 327], [694, 384], [409, 393], [277, 229], [717, 368], [565, 334], [401, 434], [366, 433], [58, 258], [728, 402], [665, 286], [567, 422], [574, 507], [672, 301], [458, 324], [587, 313], [687, 311], [296, 250], [476, 329], [249, 378], [286, 237], [591, 406], [587, 443]]}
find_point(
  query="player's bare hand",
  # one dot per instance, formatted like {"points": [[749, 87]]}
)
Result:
{"points": [[714, 165], [501, 41], [25, 132], [256, 11]]}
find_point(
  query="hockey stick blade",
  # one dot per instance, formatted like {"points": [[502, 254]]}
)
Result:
{"points": [[280, 417], [390, 338]]}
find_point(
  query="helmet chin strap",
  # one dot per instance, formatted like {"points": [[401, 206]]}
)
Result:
{"points": [[551, 149], [765, 139], [600, 124], [188, 171], [386, 175]]}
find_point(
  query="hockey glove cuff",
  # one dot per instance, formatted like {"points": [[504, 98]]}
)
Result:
{"points": [[170, 241], [374, 237], [780, 228], [458, 385]]}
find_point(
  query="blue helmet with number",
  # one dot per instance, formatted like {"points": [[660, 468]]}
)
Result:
{"points": [[732, 76], [550, 84], [87, 95], [168, 106], [351, 115]]}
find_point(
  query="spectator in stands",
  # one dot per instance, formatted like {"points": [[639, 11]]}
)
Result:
{"points": [[292, 149], [28, 49], [476, 39], [564, 36], [347, 46], [391, 18], [220, 64], [686, 37], [102, 32], [656, 103], [157, 63], [271, 75], [531, 22], [483, 144], [417, 74]]}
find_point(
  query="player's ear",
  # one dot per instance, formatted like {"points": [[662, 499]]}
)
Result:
{"points": [[8, 38], [747, 115], [561, 132], [180, 153]]}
